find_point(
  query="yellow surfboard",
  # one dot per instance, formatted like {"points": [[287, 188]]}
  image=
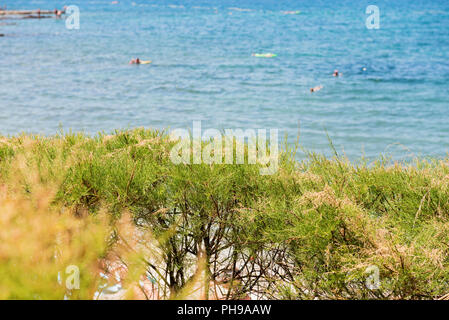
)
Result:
{"points": [[145, 62]]}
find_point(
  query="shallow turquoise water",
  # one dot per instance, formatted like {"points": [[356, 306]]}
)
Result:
{"points": [[203, 70]]}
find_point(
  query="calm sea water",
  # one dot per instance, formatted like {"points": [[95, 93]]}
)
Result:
{"points": [[203, 70]]}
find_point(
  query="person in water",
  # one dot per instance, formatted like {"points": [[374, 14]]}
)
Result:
{"points": [[336, 73], [264, 55], [315, 89], [57, 13], [135, 61]]}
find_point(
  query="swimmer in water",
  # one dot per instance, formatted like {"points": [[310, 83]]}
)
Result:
{"points": [[135, 61], [336, 73], [315, 89], [57, 13], [264, 55], [291, 12]]}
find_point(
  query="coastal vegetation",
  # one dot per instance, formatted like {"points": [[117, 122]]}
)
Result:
{"points": [[318, 228]]}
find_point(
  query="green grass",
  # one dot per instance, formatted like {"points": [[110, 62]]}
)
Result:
{"points": [[309, 231]]}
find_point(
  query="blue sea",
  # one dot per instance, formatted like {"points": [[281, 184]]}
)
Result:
{"points": [[392, 99]]}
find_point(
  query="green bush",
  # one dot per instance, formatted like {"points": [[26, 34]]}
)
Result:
{"points": [[316, 229]]}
